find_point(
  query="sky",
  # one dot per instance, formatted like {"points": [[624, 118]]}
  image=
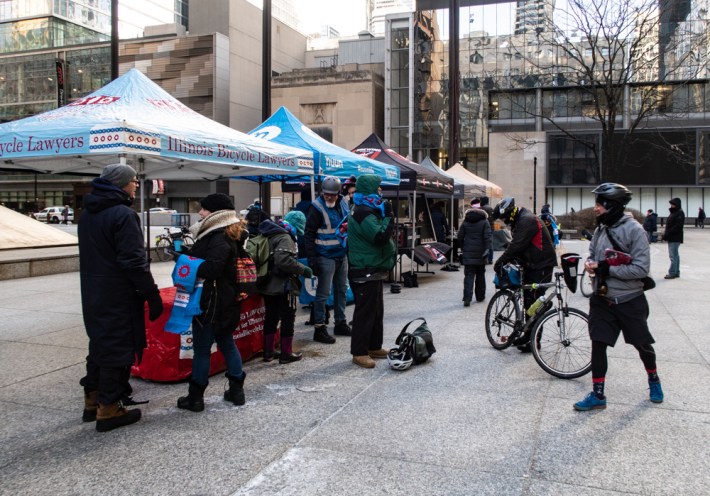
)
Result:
{"points": [[347, 16]]}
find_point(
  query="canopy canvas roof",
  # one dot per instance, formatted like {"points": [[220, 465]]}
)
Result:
{"points": [[133, 119], [473, 184], [413, 176], [330, 160]]}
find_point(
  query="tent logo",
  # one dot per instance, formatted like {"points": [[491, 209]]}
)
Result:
{"points": [[267, 133], [108, 137]]}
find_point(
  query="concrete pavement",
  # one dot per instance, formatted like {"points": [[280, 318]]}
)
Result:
{"points": [[470, 421]]}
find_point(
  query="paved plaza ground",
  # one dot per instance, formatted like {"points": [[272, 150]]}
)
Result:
{"points": [[471, 421]]}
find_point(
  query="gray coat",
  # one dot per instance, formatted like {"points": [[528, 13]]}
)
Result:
{"points": [[624, 281]]}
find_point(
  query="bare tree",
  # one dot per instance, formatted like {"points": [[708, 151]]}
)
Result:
{"points": [[625, 61]]}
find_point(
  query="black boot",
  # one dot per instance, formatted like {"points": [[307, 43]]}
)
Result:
{"points": [[194, 401], [342, 329], [235, 393], [321, 335]]}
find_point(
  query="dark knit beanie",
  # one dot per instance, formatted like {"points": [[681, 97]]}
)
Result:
{"points": [[118, 174], [216, 202]]}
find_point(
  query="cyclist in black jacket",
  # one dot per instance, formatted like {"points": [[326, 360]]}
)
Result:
{"points": [[531, 247]]}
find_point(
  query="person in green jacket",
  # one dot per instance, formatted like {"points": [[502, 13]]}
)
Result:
{"points": [[371, 255]]}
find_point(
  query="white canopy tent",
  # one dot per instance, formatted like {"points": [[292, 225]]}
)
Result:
{"points": [[133, 120], [473, 184]]}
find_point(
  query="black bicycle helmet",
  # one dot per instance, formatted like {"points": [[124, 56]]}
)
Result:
{"points": [[612, 192], [330, 185], [505, 210]]}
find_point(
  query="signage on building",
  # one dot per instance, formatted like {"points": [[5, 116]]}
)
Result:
{"points": [[60, 83]]}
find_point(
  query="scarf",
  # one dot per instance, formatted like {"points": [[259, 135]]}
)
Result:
{"points": [[291, 230], [187, 296], [373, 201], [215, 220]]}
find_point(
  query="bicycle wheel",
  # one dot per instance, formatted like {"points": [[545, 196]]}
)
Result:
{"points": [[160, 246], [585, 285], [501, 319], [187, 242], [567, 353]]}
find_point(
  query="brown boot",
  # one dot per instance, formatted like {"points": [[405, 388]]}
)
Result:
{"points": [[90, 406], [381, 353], [364, 361], [113, 416]]}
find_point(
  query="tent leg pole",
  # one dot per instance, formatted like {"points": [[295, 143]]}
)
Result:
{"points": [[414, 229]]}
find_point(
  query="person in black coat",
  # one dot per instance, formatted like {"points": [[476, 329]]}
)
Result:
{"points": [[673, 235], [650, 224], [439, 222], [115, 283], [531, 247], [475, 238], [218, 239]]}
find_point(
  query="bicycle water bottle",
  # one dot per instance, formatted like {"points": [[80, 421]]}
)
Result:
{"points": [[537, 304]]}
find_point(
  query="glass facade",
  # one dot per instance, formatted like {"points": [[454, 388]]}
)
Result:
{"points": [[519, 70]]}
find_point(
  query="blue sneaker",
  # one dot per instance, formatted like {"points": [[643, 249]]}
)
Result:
{"points": [[590, 402], [656, 393]]}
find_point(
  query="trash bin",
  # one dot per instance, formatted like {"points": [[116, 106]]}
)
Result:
{"points": [[178, 220]]}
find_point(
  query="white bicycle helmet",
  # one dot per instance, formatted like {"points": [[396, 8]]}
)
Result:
{"points": [[399, 359]]}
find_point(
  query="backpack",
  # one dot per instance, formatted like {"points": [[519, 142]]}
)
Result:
{"points": [[419, 343], [260, 252]]}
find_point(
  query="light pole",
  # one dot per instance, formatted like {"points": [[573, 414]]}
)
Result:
{"points": [[535, 185]]}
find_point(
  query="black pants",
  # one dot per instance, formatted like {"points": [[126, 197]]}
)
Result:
{"points": [[367, 333], [110, 383], [474, 276], [278, 308]]}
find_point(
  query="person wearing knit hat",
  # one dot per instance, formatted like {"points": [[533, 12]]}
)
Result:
{"points": [[216, 202], [475, 202], [118, 174], [673, 235], [297, 220], [283, 286], [219, 237], [371, 255], [114, 273]]}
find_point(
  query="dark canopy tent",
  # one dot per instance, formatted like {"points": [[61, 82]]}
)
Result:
{"points": [[415, 179]]}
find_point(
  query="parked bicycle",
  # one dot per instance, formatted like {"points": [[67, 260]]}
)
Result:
{"points": [[559, 337], [173, 239]]}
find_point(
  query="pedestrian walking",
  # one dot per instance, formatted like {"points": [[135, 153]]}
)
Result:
{"points": [[475, 238], [65, 214], [115, 282], [618, 304], [673, 235], [701, 218], [650, 224]]}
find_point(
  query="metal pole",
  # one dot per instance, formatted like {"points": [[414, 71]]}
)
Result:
{"points": [[535, 185], [114, 39], [265, 189], [453, 82]]}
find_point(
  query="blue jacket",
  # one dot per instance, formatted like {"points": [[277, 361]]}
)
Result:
{"points": [[321, 240]]}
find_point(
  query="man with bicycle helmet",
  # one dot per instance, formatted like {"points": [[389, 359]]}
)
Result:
{"points": [[328, 258], [531, 247], [619, 259]]}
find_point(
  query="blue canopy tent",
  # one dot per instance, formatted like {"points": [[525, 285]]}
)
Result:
{"points": [[329, 159]]}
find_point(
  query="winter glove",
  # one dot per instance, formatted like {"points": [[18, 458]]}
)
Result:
{"points": [[307, 272], [155, 305], [602, 269]]}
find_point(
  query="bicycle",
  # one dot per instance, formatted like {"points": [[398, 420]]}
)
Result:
{"points": [[173, 239], [559, 337]]}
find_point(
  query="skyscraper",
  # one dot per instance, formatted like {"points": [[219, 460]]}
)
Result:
{"points": [[534, 16]]}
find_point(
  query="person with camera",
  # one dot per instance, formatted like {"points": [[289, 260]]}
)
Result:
{"points": [[371, 253], [328, 258], [531, 247], [619, 259]]}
